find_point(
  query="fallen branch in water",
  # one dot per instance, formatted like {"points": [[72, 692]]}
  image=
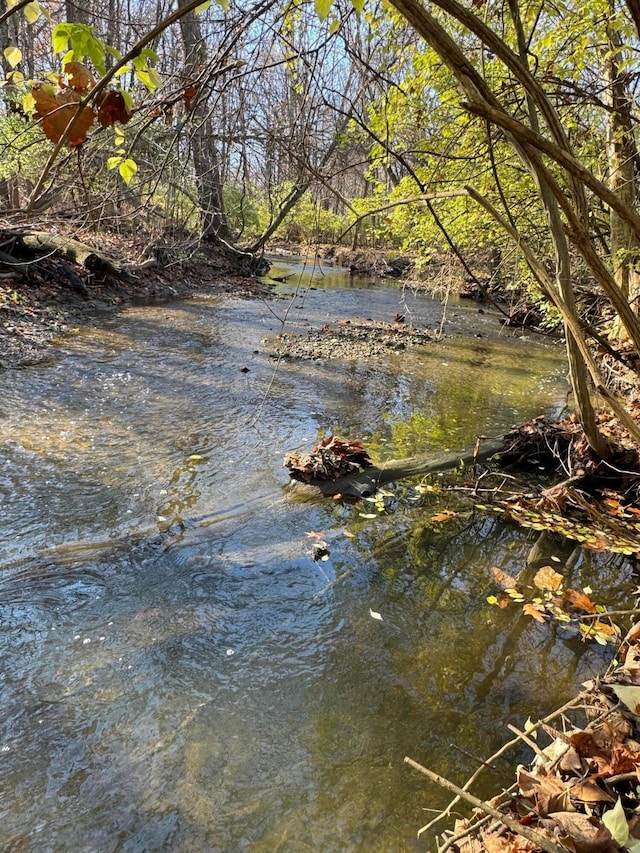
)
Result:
{"points": [[363, 482], [514, 825], [580, 792]]}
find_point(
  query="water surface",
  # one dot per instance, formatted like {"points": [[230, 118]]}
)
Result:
{"points": [[177, 671]]}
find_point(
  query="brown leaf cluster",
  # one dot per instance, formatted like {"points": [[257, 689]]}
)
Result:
{"points": [[330, 459], [58, 108]]}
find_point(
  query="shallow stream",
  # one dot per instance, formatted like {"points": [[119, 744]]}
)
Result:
{"points": [[178, 673]]}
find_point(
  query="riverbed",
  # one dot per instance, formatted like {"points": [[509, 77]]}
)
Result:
{"points": [[178, 671]]}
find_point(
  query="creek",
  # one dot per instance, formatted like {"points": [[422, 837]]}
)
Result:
{"points": [[178, 672]]}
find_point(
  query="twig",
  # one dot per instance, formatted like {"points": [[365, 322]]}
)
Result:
{"points": [[606, 613], [505, 748], [512, 824], [526, 739]]}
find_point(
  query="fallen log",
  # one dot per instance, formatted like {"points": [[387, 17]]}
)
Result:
{"points": [[364, 483], [81, 253]]}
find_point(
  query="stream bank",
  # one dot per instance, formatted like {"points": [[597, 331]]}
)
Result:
{"points": [[44, 298]]}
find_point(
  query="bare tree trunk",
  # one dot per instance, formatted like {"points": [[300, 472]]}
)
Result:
{"points": [[622, 152], [205, 155]]}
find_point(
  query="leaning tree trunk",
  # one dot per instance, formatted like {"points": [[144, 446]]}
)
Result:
{"points": [[475, 87], [577, 367]]}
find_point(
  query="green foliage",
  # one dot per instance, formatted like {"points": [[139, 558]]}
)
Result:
{"points": [[309, 220], [241, 209], [77, 42], [23, 149]]}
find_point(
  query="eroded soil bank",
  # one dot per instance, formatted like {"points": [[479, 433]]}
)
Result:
{"points": [[42, 298]]}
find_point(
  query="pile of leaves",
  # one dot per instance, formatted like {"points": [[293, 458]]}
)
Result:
{"points": [[597, 504], [561, 447], [608, 522], [581, 793], [330, 459]]}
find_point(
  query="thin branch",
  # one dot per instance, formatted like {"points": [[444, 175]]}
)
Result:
{"points": [[500, 752], [514, 825]]}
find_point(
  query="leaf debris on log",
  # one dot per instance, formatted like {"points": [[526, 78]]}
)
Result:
{"points": [[330, 459]]}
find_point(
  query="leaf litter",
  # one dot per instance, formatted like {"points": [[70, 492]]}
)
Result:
{"points": [[581, 792]]}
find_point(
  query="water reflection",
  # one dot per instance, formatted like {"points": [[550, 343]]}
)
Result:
{"points": [[178, 672]]}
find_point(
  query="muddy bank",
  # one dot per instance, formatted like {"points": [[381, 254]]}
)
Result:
{"points": [[45, 296]]}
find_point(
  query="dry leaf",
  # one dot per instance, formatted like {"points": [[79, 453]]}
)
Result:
{"points": [[503, 579], [571, 763], [579, 600], [111, 108], [628, 695], [549, 793], [534, 610], [55, 118], [589, 791], [80, 77], [579, 834], [445, 515], [548, 578]]}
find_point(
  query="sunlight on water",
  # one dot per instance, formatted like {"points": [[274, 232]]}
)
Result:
{"points": [[178, 672]]}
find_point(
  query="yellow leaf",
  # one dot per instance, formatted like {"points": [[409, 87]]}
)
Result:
{"points": [[13, 55], [28, 103], [32, 12], [128, 169]]}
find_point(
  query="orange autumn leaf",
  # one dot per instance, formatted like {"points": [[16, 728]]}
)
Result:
{"points": [[55, 117], [80, 78], [534, 611], [188, 95], [548, 578], [55, 125], [445, 515], [44, 96], [579, 600], [503, 579], [623, 759]]}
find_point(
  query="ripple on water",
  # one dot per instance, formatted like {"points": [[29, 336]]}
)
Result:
{"points": [[204, 684]]}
